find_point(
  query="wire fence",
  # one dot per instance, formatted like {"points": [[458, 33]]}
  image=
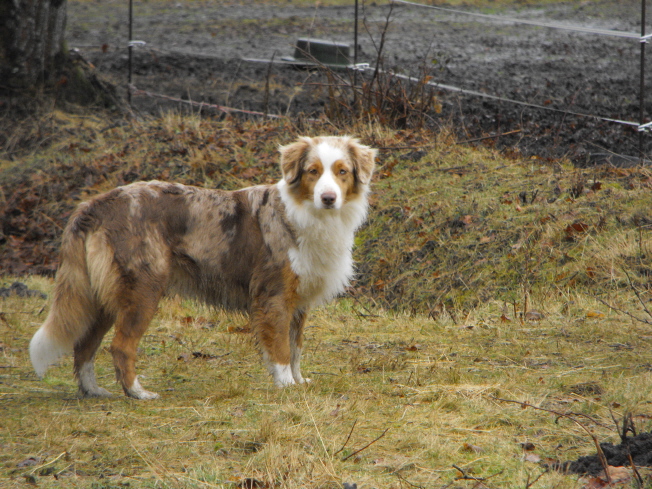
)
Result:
{"points": [[641, 38]]}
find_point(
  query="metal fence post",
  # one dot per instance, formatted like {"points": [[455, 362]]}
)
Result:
{"points": [[131, 31], [641, 94], [355, 58]]}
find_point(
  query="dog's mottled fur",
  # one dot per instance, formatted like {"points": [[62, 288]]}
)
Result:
{"points": [[272, 250]]}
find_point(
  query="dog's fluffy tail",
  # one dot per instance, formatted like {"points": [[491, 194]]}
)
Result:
{"points": [[73, 307]]}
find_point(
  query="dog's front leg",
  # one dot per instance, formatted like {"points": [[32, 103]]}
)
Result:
{"points": [[270, 321], [296, 344]]}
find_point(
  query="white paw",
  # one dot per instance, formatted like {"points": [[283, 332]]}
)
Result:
{"points": [[143, 395], [95, 392], [137, 392], [282, 374]]}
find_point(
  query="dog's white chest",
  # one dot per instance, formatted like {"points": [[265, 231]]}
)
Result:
{"points": [[324, 267]]}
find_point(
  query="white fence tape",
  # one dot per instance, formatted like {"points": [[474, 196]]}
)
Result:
{"points": [[500, 18]]}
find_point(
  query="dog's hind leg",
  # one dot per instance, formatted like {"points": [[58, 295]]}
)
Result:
{"points": [[131, 322], [84, 353], [296, 343]]}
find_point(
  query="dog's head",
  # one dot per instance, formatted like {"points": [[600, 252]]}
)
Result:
{"points": [[327, 171]]}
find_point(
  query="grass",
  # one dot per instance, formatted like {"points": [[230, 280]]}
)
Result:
{"points": [[483, 280], [459, 226], [430, 385], [413, 362]]}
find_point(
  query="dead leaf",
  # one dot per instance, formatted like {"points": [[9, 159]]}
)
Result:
{"points": [[467, 447], [250, 483], [29, 462], [618, 474], [575, 229], [534, 315], [468, 219], [594, 314], [532, 457], [486, 239]]}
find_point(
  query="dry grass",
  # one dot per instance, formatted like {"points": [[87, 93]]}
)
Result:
{"points": [[431, 384], [432, 334]]}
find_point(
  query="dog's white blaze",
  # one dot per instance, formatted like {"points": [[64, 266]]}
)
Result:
{"points": [[43, 351], [322, 258], [328, 155]]}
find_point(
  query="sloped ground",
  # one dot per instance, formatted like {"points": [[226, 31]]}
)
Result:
{"points": [[450, 226]]}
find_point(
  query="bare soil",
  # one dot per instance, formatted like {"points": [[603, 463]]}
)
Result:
{"points": [[637, 449], [196, 51]]}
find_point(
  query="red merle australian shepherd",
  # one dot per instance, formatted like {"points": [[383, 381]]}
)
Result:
{"points": [[274, 251]]}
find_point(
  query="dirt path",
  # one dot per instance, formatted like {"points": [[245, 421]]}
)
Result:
{"points": [[194, 51]]}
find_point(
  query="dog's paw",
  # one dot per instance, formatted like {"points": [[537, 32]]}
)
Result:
{"points": [[143, 395], [137, 392], [282, 374], [94, 392]]}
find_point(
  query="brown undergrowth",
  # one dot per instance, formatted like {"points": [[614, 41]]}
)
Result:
{"points": [[451, 225]]}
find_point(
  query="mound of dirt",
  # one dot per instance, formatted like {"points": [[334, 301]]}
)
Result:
{"points": [[638, 447]]}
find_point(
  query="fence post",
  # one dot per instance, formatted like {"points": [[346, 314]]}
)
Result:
{"points": [[641, 94], [355, 58], [131, 31]]}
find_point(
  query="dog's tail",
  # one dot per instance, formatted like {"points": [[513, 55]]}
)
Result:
{"points": [[73, 309]]}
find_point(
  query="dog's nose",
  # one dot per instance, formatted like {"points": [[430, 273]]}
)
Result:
{"points": [[328, 199]]}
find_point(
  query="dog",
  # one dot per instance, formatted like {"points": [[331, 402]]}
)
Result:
{"points": [[274, 251]]}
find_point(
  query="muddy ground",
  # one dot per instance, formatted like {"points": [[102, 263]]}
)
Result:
{"points": [[197, 51]]}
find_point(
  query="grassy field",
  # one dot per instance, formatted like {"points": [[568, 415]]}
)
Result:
{"points": [[431, 388], [485, 279]]}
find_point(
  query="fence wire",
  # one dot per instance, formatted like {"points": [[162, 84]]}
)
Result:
{"points": [[642, 38], [515, 20]]}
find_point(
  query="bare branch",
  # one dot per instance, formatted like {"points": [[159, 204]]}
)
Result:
{"points": [[347, 438], [366, 446]]}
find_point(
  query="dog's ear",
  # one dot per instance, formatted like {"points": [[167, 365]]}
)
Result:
{"points": [[363, 158], [293, 157]]}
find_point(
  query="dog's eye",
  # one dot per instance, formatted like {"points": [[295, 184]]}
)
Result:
{"points": [[313, 171], [343, 171]]}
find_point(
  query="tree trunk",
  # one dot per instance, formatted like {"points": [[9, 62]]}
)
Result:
{"points": [[31, 41]]}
